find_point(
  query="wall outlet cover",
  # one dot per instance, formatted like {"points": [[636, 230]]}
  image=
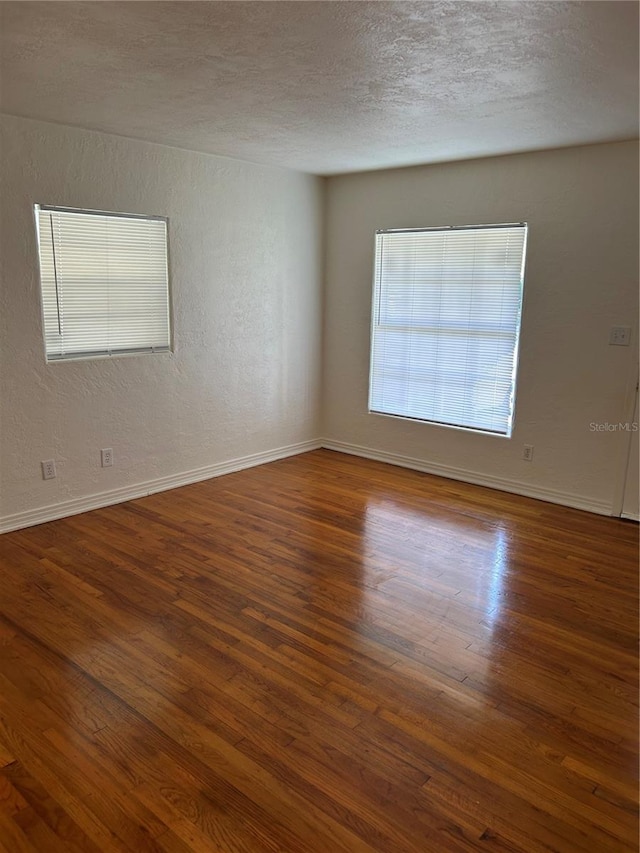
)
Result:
{"points": [[48, 469]]}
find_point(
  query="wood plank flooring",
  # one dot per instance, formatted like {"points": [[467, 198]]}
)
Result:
{"points": [[320, 654]]}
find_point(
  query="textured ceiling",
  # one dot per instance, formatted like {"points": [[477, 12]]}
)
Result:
{"points": [[329, 87]]}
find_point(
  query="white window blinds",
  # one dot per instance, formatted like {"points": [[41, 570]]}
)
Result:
{"points": [[445, 325], [104, 283]]}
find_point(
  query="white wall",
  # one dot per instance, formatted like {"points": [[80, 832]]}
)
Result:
{"points": [[246, 264], [245, 246], [631, 496], [582, 277]]}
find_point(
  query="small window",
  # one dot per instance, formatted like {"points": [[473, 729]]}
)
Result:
{"points": [[445, 325], [105, 288]]}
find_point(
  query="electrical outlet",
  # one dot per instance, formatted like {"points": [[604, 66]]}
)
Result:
{"points": [[527, 452], [620, 336], [106, 455], [48, 469]]}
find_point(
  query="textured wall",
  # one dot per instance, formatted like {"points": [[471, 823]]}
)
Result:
{"points": [[246, 262], [582, 277], [245, 259]]}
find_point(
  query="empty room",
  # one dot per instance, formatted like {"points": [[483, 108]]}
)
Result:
{"points": [[319, 426]]}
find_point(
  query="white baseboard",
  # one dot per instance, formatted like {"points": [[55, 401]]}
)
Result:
{"points": [[77, 505], [478, 479], [631, 516], [140, 490]]}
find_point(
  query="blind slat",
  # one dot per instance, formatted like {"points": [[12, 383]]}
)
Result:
{"points": [[446, 323], [104, 280]]}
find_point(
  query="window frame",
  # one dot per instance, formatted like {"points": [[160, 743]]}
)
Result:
{"points": [[516, 350], [100, 355]]}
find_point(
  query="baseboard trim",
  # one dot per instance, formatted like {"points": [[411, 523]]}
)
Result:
{"points": [[29, 518], [631, 516], [478, 479], [41, 515]]}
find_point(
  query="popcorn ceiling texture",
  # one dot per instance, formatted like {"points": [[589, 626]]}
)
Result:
{"points": [[329, 87], [245, 257]]}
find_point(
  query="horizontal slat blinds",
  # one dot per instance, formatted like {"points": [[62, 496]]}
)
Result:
{"points": [[104, 283], [446, 321]]}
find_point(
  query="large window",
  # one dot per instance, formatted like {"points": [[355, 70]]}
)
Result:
{"points": [[445, 325], [105, 288]]}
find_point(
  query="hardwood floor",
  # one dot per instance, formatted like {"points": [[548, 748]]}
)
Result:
{"points": [[321, 654]]}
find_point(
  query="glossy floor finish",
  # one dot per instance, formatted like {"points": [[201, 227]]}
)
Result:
{"points": [[321, 654]]}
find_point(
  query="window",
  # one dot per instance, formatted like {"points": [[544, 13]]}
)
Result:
{"points": [[445, 325], [104, 281]]}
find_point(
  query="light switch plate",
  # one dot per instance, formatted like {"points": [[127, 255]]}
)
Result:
{"points": [[620, 336]]}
